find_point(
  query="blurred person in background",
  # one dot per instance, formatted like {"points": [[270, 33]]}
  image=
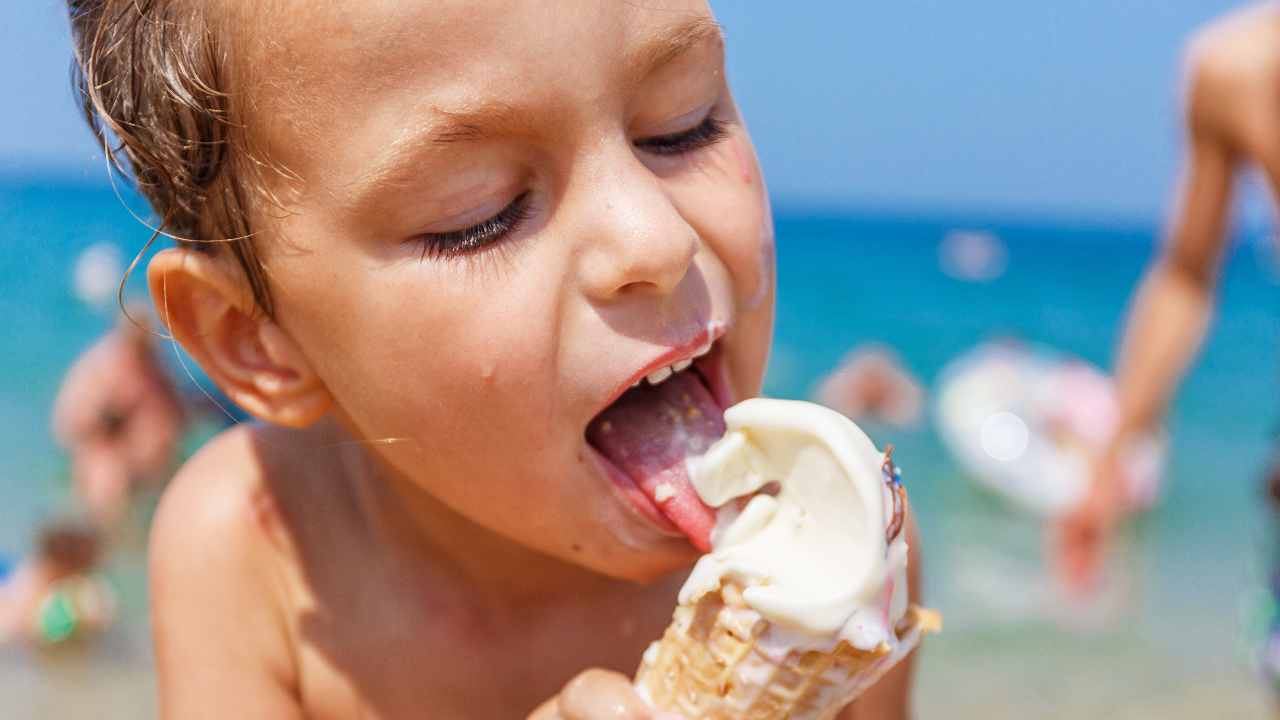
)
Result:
{"points": [[121, 419], [51, 595], [872, 384], [1232, 119]]}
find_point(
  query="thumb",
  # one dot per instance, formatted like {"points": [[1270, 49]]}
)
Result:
{"points": [[602, 695]]}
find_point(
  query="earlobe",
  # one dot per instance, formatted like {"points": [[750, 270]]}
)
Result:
{"points": [[298, 396], [208, 309]]}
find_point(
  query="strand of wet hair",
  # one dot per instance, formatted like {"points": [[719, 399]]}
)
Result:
{"points": [[156, 233]]}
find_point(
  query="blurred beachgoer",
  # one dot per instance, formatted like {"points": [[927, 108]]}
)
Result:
{"points": [[121, 419], [1232, 119], [872, 384], [96, 275], [51, 596], [972, 255]]}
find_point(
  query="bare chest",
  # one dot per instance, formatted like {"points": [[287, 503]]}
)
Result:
{"points": [[383, 651]]}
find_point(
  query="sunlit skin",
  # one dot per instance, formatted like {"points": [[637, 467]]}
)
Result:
{"points": [[1232, 121], [422, 530]]}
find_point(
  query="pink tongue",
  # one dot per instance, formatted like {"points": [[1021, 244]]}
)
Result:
{"points": [[650, 431]]}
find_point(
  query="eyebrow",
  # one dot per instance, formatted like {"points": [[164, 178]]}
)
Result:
{"points": [[437, 131], [670, 44], [476, 122]]}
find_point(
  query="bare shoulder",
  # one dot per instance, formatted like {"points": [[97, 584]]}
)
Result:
{"points": [[1238, 45], [211, 504], [216, 571], [1232, 76], [240, 486]]}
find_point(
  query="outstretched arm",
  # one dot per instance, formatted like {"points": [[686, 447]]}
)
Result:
{"points": [[1171, 310]]}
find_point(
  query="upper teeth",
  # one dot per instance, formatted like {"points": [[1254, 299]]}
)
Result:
{"points": [[663, 373], [660, 374]]}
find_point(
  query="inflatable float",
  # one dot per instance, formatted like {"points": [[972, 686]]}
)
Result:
{"points": [[1024, 422]]}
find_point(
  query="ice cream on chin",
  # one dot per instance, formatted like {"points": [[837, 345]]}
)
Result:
{"points": [[808, 523]]}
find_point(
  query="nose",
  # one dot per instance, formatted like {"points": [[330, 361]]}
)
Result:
{"points": [[635, 239]]}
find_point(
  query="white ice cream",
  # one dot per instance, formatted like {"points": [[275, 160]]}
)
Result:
{"points": [[813, 557]]}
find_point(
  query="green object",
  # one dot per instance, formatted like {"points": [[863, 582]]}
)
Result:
{"points": [[57, 619]]}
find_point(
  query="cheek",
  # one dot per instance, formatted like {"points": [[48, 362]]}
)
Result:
{"points": [[730, 208], [738, 226], [441, 356], [747, 169]]}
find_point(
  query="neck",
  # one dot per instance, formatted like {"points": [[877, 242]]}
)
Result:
{"points": [[490, 568]]}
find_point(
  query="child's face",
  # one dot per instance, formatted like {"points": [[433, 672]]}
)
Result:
{"points": [[509, 210]]}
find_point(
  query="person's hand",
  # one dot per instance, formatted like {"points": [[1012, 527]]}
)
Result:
{"points": [[598, 695], [1082, 537]]}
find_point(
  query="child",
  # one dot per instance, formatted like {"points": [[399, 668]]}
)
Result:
{"points": [[51, 596], [430, 244]]}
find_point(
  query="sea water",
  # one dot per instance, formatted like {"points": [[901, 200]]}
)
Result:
{"points": [[1166, 637]]}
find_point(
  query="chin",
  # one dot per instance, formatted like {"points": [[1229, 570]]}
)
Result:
{"points": [[650, 567]]}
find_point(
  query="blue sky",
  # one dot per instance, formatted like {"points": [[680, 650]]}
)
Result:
{"points": [[1065, 108]]}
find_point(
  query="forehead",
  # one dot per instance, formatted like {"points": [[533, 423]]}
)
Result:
{"points": [[316, 66]]}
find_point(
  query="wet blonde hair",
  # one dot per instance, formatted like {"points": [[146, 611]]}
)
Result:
{"points": [[152, 79]]}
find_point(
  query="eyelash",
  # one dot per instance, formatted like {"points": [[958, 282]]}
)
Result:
{"points": [[477, 237], [708, 132]]}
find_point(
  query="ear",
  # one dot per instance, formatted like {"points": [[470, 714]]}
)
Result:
{"points": [[207, 306]]}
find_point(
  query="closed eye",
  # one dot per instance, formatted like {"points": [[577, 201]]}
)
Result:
{"points": [[479, 236], [708, 132]]}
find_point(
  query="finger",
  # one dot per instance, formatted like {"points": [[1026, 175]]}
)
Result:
{"points": [[1079, 553], [1068, 539], [602, 695], [549, 710]]}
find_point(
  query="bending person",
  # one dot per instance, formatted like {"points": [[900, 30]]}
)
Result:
{"points": [[121, 419], [1232, 119]]}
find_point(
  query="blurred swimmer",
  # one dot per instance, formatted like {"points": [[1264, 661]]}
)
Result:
{"points": [[121, 419], [96, 275], [972, 256], [871, 384], [51, 595]]}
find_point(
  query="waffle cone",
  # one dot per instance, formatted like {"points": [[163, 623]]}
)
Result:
{"points": [[714, 662]]}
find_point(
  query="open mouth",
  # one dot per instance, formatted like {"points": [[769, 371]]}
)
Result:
{"points": [[650, 432]]}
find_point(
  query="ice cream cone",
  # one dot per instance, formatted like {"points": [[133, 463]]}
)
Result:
{"points": [[720, 660]]}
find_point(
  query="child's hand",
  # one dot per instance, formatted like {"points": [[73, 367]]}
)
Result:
{"points": [[598, 695]]}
